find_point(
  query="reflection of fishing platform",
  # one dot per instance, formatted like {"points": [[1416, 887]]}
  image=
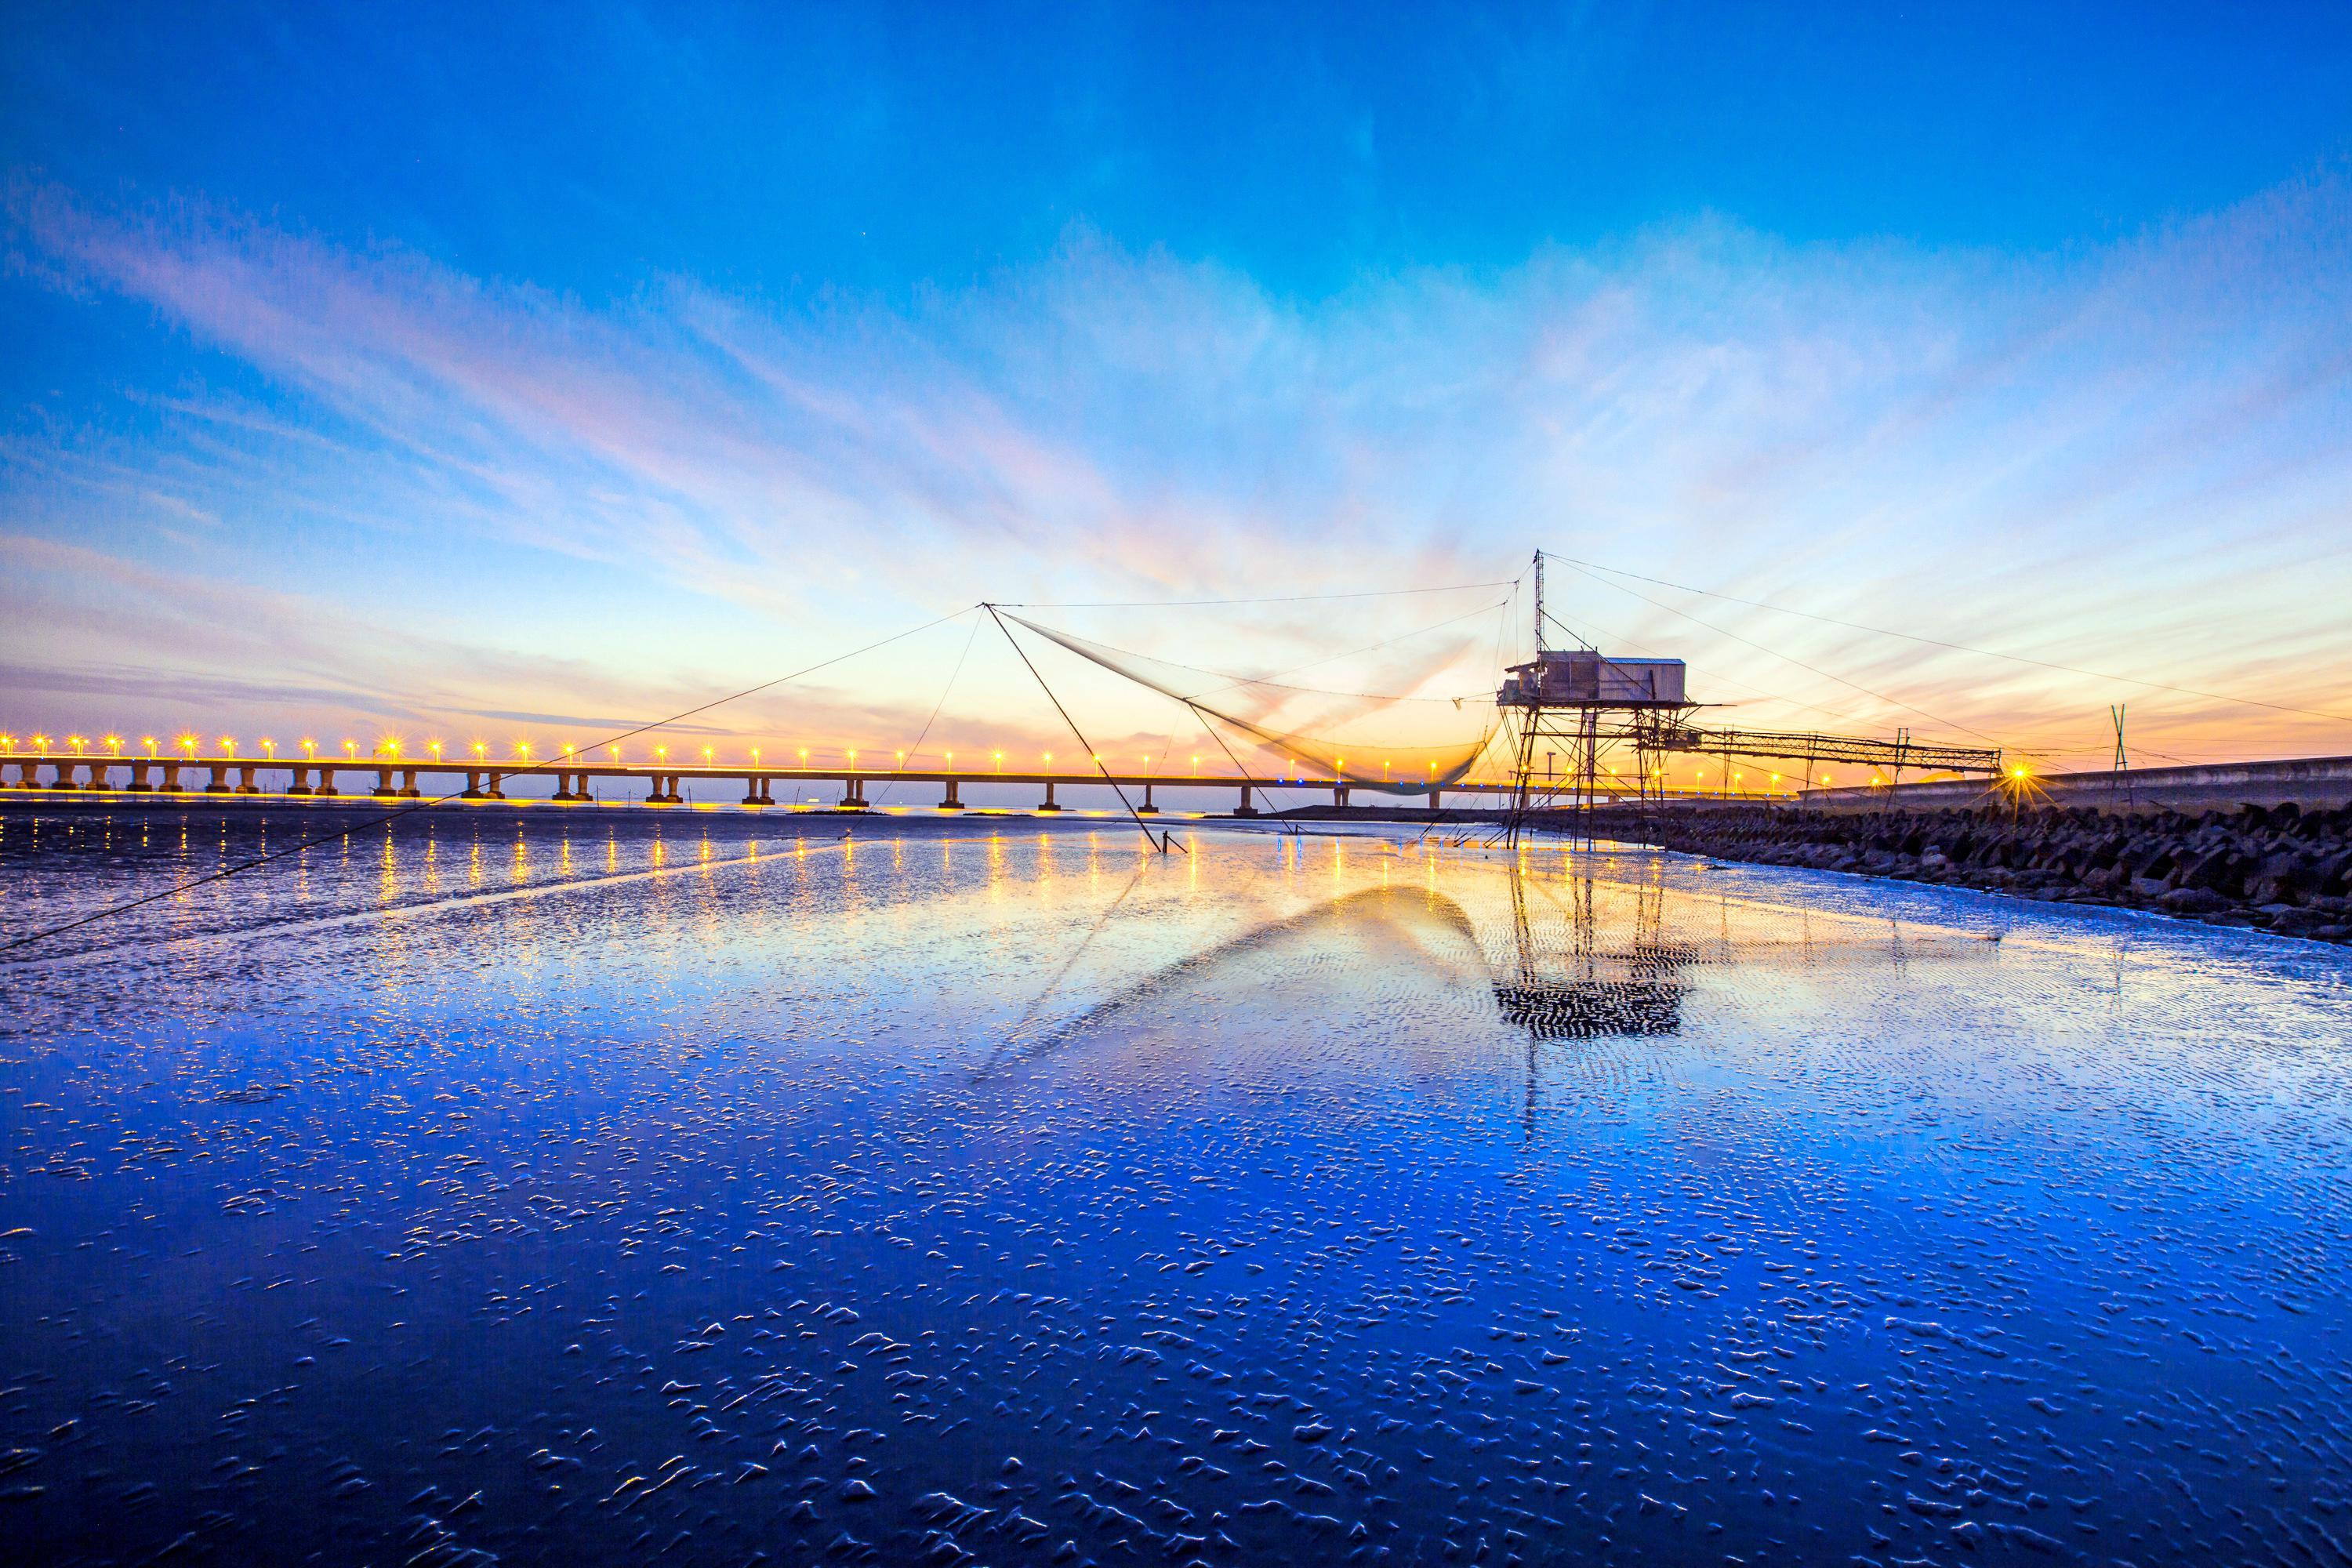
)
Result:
{"points": [[1581, 991], [1592, 1007]]}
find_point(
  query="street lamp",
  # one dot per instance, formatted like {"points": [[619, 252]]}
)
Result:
{"points": [[76, 742], [269, 748], [228, 746], [148, 742], [310, 747], [114, 745], [435, 747]]}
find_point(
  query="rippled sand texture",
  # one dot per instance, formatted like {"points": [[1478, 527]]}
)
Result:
{"points": [[573, 1189]]}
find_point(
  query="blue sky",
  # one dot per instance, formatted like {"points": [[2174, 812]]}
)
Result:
{"points": [[416, 370]]}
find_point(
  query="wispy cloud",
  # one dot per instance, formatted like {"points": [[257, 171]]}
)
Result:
{"points": [[2131, 459]]}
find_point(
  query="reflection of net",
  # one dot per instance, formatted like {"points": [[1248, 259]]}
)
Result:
{"points": [[1402, 745]]}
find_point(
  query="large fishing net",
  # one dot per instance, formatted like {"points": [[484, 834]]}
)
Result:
{"points": [[1406, 742]]}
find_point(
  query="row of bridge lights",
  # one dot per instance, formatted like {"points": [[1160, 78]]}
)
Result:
{"points": [[388, 750]]}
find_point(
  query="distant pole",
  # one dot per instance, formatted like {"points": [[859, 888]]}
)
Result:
{"points": [[2123, 766]]}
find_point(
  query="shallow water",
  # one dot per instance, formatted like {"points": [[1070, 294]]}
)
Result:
{"points": [[576, 1188]]}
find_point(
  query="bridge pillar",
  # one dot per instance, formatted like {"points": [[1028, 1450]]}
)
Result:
{"points": [[492, 792], [757, 791], [219, 784], [24, 776], [1147, 809], [954, 801], [1339, 796], [171, 778], [245, 780], [1435, 803], [1245, 808], [473, 784], [383, 787], [142, 780], [327, 782], [408, 789], [1048, 803], [302, 781], [853, 794], [65, 776]]}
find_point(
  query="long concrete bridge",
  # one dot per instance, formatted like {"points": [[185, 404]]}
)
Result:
{"points": [[382, 778]]}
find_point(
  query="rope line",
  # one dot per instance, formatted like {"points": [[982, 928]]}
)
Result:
{"points": [[1277, 599], [1162, 842]]}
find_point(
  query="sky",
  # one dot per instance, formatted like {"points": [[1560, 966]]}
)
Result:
{"points": [[515, 375]]}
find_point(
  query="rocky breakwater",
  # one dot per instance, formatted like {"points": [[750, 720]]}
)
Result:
{"points": [[2276, 868]]}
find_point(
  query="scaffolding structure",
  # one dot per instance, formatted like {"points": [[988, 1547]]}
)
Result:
{"points": [[1580, 705]]}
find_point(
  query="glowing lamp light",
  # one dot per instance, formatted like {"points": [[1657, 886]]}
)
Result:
{"points": [[269, 748], [76, 742], [351, 749], [40, 742], [188, 744], [478, 749], [613, 752], [522, 750], [229, 746], [148, 742], [435, 747], [7, 744], [706, 756], [661, 753], [114, 745]]}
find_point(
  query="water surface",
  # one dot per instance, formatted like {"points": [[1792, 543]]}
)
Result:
{"points": [[580, 1187]]}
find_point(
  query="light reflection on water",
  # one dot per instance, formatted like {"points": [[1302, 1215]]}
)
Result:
{"points": [[729, 1186]]}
